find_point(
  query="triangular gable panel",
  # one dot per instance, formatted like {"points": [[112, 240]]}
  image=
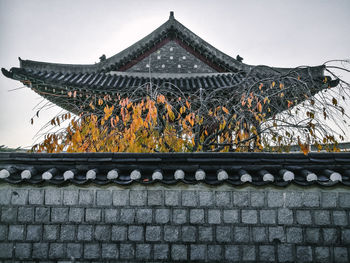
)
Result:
{"points": [[171, 58]]}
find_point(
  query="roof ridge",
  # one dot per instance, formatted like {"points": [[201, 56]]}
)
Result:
{"points": [[166, 30]]}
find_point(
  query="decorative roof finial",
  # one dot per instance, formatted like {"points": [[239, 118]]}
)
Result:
{"points": [[171, 15]]}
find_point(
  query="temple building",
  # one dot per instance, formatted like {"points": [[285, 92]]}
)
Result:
{"points": [[171, 58]]}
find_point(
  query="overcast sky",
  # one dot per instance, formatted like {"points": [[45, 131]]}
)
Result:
{"points": [[275, 33]]}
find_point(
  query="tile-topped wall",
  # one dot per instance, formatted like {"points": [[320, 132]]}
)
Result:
{"points": [[174, 224]]}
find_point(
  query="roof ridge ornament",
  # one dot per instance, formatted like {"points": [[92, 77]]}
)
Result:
{"points": [[171, 15]]}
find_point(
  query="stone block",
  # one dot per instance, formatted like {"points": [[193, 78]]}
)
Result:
{"points": [[276, 234], [162, 216], [198, 252], [70, 197], [197, 216], [155, 197], [143, 251], [6, 250], [16, 232], [267, 217], [249, 216], [92, 251], [329, 199], [230, 216], [304, 254], [8, 214], [85, 232], [104, 198], [50, 232], [267, 253], [171, 233], [344, 200], [144, 215], [76, 215], [57, 250], [5, 196], [341, 254], [111, 215], [119, 233], [330, 235], [248, 253], [36, 196], [215, 253], [138, 197], [102, 232], [53, 196], [285, 253], [40, 250], [93, 215], [189, 198], [322, 254], [345, 234], [25, 214], [3, 232], [285, 216], [241, 199], [322, 217], [223, 198], [294, 235], [232, 253], [214, 216], [311, 199], [67, 232], [153, 233], [275, 199], [23, 250], [86, 197], [179, 216], [109, 251], [178, 252], [206, 198], [135, 233], [312, 235], [160, 251], [259, 234], [42, 214], [59, 214], [74, 250], [241, 234], [340, 218], [120, 197], [127, 216], [205, 233], [303, 217], [19, 197], [189, 234], [257, 199], [127, 251], [223, 234], [172, 198], [294, 199]]}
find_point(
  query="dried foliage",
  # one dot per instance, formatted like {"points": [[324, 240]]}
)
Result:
{"points": [[256, 114]]}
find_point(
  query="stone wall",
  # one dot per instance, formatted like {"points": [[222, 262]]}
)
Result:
{"points": [[173, 224]]}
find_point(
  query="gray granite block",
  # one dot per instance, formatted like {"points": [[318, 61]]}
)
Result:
{"points": [[153, 233], [171, 233], [50, 232]]}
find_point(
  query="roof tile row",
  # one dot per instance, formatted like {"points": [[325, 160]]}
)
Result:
{"points": [[124, 169]]}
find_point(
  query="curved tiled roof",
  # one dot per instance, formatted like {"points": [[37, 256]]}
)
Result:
{"points": [[53, 80], [171, 29], [236, 169]]}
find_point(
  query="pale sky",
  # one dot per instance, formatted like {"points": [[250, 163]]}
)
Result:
{"points": [[275, 33]]}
